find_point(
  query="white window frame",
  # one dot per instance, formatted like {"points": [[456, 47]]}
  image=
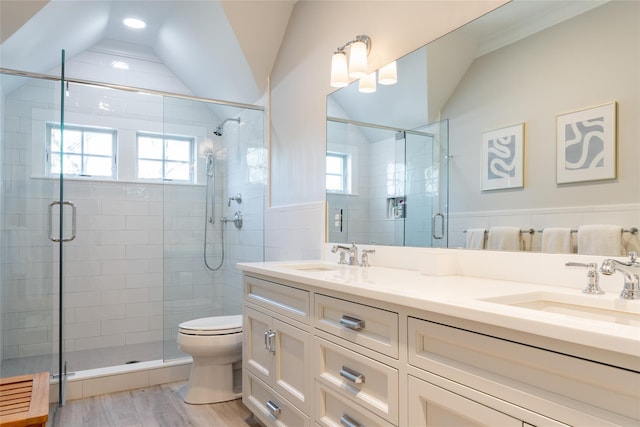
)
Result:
{"points": [[82, 154], [345, 176], [164, 161]]}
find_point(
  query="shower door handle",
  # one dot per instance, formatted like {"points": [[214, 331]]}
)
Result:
{"points": [[50, 220], [433, 226]]}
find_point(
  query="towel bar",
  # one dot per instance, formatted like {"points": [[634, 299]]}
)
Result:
{"points": [[527, 231], [632, 230]]}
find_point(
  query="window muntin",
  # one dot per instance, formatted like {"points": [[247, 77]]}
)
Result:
{"points": [[85, 151], [165, 157], [337, 175]]}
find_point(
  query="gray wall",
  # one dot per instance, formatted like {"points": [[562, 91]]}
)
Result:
{"points": [[587, 61]]}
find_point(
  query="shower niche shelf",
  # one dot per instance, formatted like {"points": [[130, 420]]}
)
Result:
{"points": [[396, 207]]}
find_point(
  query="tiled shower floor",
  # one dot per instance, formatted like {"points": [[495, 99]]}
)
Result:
{"points": [[85, 359]]}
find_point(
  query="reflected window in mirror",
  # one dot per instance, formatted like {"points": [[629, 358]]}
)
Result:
{"points": [[395, 179], [338, 176]]}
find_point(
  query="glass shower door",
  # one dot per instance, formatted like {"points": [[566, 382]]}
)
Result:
{"points": [[427, 183], [30, 227]]}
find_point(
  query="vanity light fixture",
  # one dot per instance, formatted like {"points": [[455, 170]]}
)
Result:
{"points": [[135, 23], [359, 49], [356, 66], [367, 84], [388, 75]]}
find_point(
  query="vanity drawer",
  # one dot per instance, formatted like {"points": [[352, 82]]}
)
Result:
{"points": [[333, 410], [368, 326], [270, 407], [370, 383], [282, 299], [449, 351]]}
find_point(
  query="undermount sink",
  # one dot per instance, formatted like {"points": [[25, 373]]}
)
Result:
{"points": [[309, 267], [600, 308]]}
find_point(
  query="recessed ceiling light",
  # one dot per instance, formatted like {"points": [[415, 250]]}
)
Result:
{"points": [[120, 65], [136, 23]]}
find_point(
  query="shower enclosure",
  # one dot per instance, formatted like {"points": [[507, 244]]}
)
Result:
{"points": [[132, 166]]}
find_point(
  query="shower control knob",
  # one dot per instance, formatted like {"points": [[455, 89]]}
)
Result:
{"points": [[237, 220]]}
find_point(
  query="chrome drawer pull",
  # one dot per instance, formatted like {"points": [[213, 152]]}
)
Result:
{"points": [[351, 375], [268, 341], [352, 323], [272, 346], [273, 408], [347, 421]]}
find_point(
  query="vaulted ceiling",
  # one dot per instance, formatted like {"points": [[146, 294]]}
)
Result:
{"points": [[218, 49]]}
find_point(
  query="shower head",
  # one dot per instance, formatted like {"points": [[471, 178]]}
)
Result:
{"points": [[218, 130]]}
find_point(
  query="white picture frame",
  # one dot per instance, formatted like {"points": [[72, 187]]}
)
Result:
{"points": [[503, 158], [586, 144]]}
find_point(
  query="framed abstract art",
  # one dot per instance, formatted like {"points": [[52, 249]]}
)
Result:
{"points": [[586, 145], [503, 158]]}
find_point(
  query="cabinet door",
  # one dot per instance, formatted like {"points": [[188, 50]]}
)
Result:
{"points": [[291, 374], [278, 354], [256, 355], [431, 405]]}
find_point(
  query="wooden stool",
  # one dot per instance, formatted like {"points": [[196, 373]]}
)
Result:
{"points": [[24, 400]]}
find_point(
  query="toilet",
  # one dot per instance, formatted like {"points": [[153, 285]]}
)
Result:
{"points": [[215, 343]]}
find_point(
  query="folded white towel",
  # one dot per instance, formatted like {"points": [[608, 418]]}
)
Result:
{"points": [[600, 239], [504, 239], [556, 240], [475, 238]]}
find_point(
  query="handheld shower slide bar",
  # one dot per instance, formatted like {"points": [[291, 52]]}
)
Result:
{"points": [[209, 210]]}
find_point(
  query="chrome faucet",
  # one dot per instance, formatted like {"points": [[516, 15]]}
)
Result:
{"points": [[237, 198], [631, 288], [351, 251], [365, 257], [593, 280]]}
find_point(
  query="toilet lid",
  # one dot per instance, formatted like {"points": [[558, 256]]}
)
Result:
{"points": [[217, 325]]}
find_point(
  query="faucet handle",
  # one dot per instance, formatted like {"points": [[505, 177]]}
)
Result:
{"points": [[633, 257], [365, 257], [593, 278]]}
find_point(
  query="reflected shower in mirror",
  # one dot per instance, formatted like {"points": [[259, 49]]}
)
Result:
{"points": [[526, 63], [383, 182]]}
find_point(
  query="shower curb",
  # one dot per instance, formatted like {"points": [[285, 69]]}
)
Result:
{"points": [[94, 382]]}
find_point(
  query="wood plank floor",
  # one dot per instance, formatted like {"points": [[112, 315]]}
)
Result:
{"points": [[159, 406]]}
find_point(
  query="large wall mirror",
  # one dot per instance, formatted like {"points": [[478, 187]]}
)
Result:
{"points": [[406, 165]]}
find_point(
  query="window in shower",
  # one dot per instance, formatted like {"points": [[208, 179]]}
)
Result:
{"points": [[257, 165], [84, 151], [165, 157], [337, 174]]}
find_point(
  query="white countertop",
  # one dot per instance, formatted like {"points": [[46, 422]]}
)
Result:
{"points": [[462, 297]]}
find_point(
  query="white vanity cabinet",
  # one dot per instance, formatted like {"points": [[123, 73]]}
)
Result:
{"points": [[276, 352], [478, 379], [329, 356]]}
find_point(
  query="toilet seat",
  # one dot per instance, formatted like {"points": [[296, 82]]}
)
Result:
{"points": [[211, 326]]}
